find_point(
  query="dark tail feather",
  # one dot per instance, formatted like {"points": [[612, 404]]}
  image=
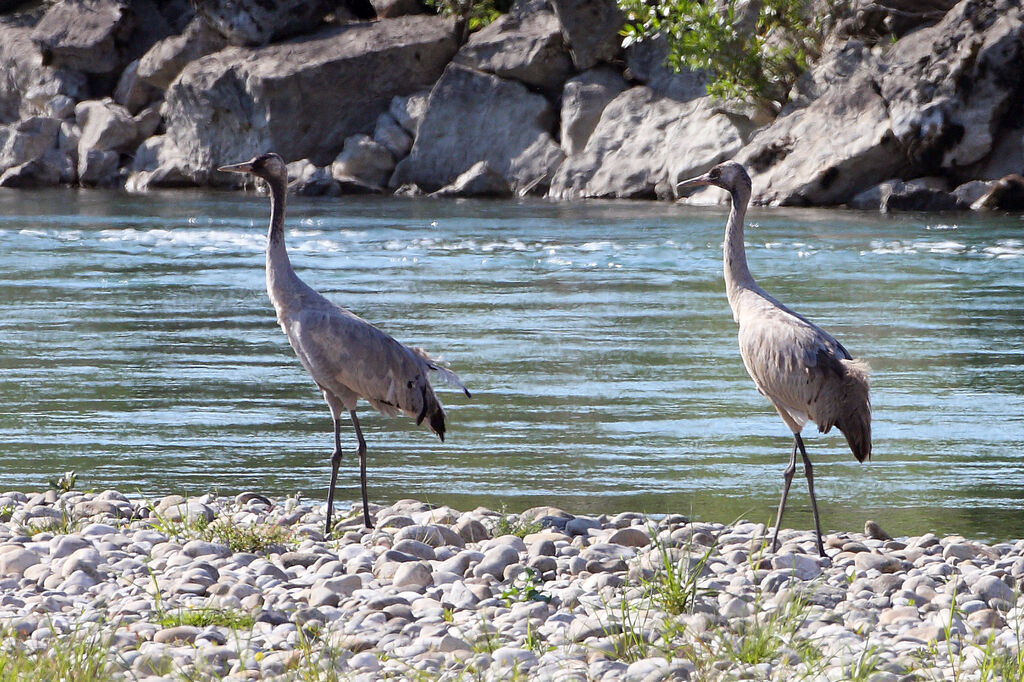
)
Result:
{"points": [[855, 418], [432, 412]]}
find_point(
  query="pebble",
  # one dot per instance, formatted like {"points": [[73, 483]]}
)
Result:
{"points": [[431, 594]]}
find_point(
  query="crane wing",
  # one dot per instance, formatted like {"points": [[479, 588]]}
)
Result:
{"points": [[349, 356], [795, 364]]}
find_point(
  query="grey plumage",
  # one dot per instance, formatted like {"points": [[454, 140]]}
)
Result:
{"points": [[348, 357], [802, 369]]}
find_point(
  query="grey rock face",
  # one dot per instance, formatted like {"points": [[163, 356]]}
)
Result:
{"points": [[479, 181], [645, 62], [583, 100], [251, 22], [364, 160], [164, 61], [27, 140], [527, 48], [464, 115], [591, 29], [930, 106], [232, 104], [98, 36], [27, 84], [644, 143], [792, 163]]}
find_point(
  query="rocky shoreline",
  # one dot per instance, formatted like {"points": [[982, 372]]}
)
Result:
{"points": [[247, 588], [911, 106]]}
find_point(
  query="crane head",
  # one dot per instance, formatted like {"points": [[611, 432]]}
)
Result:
{"points": [[730, 176], [266, 166]]}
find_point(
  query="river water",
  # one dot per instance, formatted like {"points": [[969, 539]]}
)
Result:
{"points": [[138, 348]]}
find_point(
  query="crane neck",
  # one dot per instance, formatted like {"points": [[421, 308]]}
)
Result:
{"points": [[737, 274], [277, 254]]}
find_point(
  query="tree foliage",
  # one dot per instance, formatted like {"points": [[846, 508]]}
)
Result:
{"points": [[752, 50], [470, 15]]}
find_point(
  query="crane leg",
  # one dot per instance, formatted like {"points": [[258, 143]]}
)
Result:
{"points": [[809, 473], [335, 461], [362, 468], [787, 477]]}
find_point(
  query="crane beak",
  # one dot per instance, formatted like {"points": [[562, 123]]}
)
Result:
{"points": [[237, 168], [698, 181]]}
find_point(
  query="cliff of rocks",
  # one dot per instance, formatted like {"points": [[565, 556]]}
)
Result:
{"points": [[911, 106]]}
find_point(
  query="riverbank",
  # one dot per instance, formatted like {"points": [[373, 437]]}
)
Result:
{"points": [[102, 586], [912, 106]]}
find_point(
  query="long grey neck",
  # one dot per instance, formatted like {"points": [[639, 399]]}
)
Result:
{"points": [[279, 268], [737, 274]]}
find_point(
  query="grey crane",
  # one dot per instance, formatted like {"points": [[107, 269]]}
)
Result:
{"points": [[348, 357], [805, 373]]}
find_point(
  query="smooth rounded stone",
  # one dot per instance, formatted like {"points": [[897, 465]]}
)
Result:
{"points": [[460, 563], [646, 669], [414, 575], [65, 545], [77, 583], [605, 551], [431, 534], [804, 567], [471, 530], [495, 560], [364, 661], [959, 550], [736, 607], [507, 657], [303, 559], [542, 563], [866, 561], [15, 561], [85, 559], [460, 596], [415, 548], [541, 547], [991, 587], [630, 537], [178, 633], [513, 541], [582, 525]]}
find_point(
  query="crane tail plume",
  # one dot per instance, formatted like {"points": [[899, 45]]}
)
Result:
{"points": [[855, 419], [441, 372]]}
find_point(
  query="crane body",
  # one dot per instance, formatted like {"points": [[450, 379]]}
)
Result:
{"points": [[803, 370], [348, 357]]}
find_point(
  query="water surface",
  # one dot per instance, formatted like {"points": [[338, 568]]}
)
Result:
{"points": [[138, 348]]}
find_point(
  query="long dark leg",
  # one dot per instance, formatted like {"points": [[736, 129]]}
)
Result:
{"points": [[335, 461], [362, 468], [809, 473], [787, 476]]}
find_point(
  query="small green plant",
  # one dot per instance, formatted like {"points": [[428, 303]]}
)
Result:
{"points": [[754, 58], [204, 616], [525, 587], [63, 483], [674, 586], [81, 656], [512, 524], [252, 538], [470, 15], [866, 665]]}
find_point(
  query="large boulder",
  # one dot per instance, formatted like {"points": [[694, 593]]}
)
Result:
{"points": [[947, 86], [27, 84], [258, 22], [301, 98], [932, 105], [646, 62], [473, 116], [164, 61], [644, 143], [364, 160], [27, 140], [793, 163], [591, 30], [527, 47], [108, 129], [98, 36], [157, 162], [583, 100]]}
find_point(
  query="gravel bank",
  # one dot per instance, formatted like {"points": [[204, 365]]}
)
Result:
{"points": [[247, 588]]}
